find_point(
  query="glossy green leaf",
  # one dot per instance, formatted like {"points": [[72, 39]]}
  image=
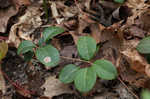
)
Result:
{"points": [[145, 94], [86, 47], [52, 31], [105, 69], [85, 79], [68, 73], [48, 55], [144, 46], [3, 50], [119, 1], [25, 46]]}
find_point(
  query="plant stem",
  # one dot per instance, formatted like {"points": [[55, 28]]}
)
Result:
{"points": [[45, 8], [76, 59]]}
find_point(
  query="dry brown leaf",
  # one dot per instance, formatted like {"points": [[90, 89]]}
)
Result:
{"points": [[54, 87], [136, 61], [26, 25], [2, 83], [96, 32], [19, 3], [55, 13], [5, 15]]}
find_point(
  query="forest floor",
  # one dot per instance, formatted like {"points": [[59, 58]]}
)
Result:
{"points": [[116, 27]]}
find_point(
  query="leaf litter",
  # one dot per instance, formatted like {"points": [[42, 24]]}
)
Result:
{"points": [[116, 27]]}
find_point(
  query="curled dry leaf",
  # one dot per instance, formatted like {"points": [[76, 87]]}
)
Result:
{"points": [[137, 62], [26, 25], [54, 87], [19, 3], [147, 70], [5, 15]]}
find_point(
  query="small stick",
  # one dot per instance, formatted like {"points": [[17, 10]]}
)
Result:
{"points": [[128, 88], [75, 59]]}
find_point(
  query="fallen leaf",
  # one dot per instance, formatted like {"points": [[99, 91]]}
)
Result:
{"points": [[55, 13], [25, 26], [19, 3], [137, 62], [5, 15], [2, 82], [53, 87]]}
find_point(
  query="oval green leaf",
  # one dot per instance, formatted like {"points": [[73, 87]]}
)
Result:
{"points": [[3, 50], [119, 1], [68, 73], [105, 69], [52, 31], [144, 46], [85, 79], [48, 55], [145, 94], [86, 47], [25, 46]]}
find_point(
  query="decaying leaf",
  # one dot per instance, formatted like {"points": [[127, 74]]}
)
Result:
{"points": [[54, 87], [26, 25], [137, 62], [2, 82], [3, 50], [19, 3], [5, 15]]}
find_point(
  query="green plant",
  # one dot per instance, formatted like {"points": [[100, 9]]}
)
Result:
{"points": [[145, 94], [44, 52], [84, 78], [144, 47], [119, 1]]}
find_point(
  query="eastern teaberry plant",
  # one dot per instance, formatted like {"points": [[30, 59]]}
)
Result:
{"points": [[144, 48], [83, 78], [145, 94]]}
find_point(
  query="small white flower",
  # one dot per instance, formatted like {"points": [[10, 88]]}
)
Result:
{"points": [[47, 59]]}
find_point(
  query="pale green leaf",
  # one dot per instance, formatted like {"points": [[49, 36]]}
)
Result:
{"points": [[144, 46], [145, 94], [25, 46], [85, 79], [68, 73], [119, 1], [105, 69], [86, 47], [48, 55], [52, 31]]}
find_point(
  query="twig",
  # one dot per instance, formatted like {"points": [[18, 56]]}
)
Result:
{"points": [[78, 6], [75, 59], [128, 88], [17, 85]]}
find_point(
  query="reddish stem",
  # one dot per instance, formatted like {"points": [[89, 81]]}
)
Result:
{"points": [[3, 38], [17, 85]]}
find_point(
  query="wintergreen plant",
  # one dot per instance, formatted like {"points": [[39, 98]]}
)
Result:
{"points": [[119, 1], [145, 94], [45, 53], [83, 78], [144, 46]]}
